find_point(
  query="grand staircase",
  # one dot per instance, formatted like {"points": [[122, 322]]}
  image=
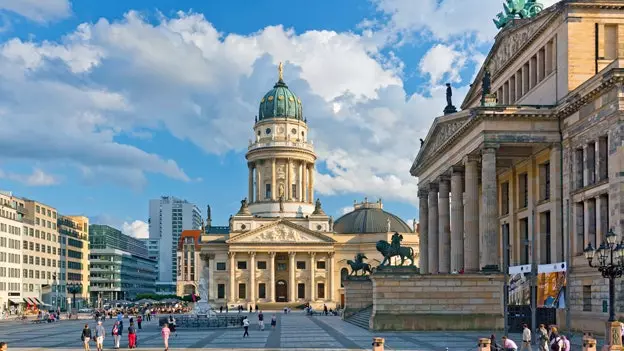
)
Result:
{"points": [[361, 318]]}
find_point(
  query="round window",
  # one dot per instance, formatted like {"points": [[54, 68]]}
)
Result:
{"points": [[294, 131], [268, 130], [243, 226], [319, 227]]}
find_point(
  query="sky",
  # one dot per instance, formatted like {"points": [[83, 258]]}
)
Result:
{"points": [[107, 104]]}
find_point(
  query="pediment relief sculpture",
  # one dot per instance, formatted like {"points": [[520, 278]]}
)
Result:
{"points": [[441, 135], [281, 234]]}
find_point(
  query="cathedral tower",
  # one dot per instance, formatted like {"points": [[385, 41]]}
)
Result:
{"points": [[280, 158]]}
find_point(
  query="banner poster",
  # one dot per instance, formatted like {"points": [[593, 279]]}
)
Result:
{"points": [[519, 285], [551, 285]]}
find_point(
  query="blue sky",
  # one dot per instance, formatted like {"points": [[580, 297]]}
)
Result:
{"points": [[111, 103]]}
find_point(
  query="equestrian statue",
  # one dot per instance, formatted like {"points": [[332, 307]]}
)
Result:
{"points": [[358, 264], [394, 248]]}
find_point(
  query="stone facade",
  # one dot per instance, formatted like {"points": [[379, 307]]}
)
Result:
{"points": [[436, 302], [358, 295], [545, 163]]}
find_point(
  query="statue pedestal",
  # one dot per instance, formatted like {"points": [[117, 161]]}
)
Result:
{"points": [[358, 294], [489, 100], [613, 334], [450, 109]]}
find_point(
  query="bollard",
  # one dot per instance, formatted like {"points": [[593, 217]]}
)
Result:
{"points": [[378, 344], [589, 343], [484, 344]]}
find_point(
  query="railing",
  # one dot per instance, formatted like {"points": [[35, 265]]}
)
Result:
{"points": [[201, 322], [303, 145]]}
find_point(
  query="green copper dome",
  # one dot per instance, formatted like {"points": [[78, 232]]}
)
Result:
{"points": [[280, 102]]}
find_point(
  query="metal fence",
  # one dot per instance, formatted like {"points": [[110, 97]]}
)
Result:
{"points": [[204, 322]]}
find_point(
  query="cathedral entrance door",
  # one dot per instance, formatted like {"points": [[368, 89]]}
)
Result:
{"points": [[281, 291]]}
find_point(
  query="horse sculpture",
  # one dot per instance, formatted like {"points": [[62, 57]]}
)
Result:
{"points": [[389, 250], [359, 265]]}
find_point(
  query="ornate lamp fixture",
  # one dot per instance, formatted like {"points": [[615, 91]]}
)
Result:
{"points": [[610, 257], [74, 288]]}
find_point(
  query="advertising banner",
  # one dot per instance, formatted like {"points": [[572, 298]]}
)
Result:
{"points": [[551, 285], [520, 285]]}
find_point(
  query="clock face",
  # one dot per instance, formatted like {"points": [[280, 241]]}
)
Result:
{"points": [[268, 131]]}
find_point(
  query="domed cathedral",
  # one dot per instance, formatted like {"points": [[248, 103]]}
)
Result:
{"points": [[281, 248]]}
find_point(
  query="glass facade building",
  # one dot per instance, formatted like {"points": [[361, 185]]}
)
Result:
{"points": [[120, 265]]}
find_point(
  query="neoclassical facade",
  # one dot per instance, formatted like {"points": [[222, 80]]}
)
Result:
{"points": [[531, 167], [281, 247]]}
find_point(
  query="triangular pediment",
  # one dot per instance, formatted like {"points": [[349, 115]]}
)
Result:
{"points": [[510, 42], [440, 133], [281, 232]]}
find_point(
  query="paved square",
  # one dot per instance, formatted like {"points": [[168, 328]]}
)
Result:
{"points": [[293, 331]]}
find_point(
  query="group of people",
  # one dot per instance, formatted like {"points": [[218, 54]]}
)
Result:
{"points": [[246, 323], [547, 338], [97, 335]]}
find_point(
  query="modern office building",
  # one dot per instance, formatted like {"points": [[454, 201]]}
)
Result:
{"points": [[10, 254], [74, 256], [120, 265], [168, 216]]}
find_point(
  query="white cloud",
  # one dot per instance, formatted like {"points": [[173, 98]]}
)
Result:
{"points": [[37, 178], [442, 61], [38, 10], [137, 229]]}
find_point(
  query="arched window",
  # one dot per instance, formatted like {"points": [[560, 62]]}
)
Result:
{"points": [[343, 276]]}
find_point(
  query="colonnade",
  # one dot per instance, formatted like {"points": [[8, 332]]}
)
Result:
{"points": [[469, 241], [297, 172]]}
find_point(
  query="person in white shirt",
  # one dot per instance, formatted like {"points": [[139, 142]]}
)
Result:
{"points": [[526, 338], [556, 340], [508, 344]]}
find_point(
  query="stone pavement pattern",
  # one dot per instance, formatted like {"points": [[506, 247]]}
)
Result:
{"points": [[293, 331]]}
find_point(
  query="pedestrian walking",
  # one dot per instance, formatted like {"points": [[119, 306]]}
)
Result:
{"points": [[273, 321], [116, 333], [3, 346], [172, 326], [556, 342], [85, 336], [250, 309], [526, 338], [165, 332], [100, 333], [256, 308], [542, 334], [221, 309], [227, 309], [261, 320], [325, 309], [508, 344], [566, 343], [131, 336], [139, 321], [246, 326]]}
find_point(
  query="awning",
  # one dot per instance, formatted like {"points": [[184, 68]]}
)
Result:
{"points": [[28, 302], [37, 301], [15, 300]]}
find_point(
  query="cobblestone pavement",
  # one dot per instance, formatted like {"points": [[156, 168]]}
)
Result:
{"points": [[294, 331]]}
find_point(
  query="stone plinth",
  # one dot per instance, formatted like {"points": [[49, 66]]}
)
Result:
{"points": [[409, 301], [613, 340], [358, 294]]}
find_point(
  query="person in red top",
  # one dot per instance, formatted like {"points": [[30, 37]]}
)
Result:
{"points": [[131, 336]]}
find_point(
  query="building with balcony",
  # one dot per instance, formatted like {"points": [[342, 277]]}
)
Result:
{"points": [[74, 256], [120, 265]]}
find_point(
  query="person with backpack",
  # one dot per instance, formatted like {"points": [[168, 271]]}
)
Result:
{"points": [[131, 336], [116, 335], [85, 336], [556, 342]]}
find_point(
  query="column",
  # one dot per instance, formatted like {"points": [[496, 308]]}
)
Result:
{"points": [[433, 229], [252, 277], [585, 171], [258, 187], [312, 280], [331, 276], [457, 221], [423, 217], [211, 283], [471, 215], [556, 222], [273, 183], [312, 183], [304, 183], [251, 186], [272, 275], [232, 295], [300, 182], [292, 283], [489, 232], [288, 186], [444, 225]]}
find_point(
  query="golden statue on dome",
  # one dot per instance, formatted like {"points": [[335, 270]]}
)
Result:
{"points": [[280, 70]]}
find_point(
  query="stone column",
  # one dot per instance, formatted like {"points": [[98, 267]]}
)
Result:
{"points": [[300, 181], [292, 283], [272, 277], [273, 183], [312, 280], [423, 216], [471, 215], [232, 295], [304, 183], [433, 229], [556, 222], [211, 283], [252, 277], [258, 186], [251, 186], [311, 183], [457, 222], [288, 186], [331, 274], [444, 225], [489, 229]]}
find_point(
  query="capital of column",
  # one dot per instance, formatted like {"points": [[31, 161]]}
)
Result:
{"points": [[457, 170], [471, 158], [292, 254], [433, 188], [489, 149], [312, 254], [252, 253], [231, 254], [330, 254], [443, 178], [423, 192], [272, 254]]}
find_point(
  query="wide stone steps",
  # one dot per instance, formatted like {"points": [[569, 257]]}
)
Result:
{"points": [[361, 318]]}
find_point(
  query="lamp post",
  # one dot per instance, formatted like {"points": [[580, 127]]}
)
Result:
{"points": [[74, 288]]}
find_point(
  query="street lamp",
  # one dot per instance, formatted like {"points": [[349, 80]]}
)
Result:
{"points": [[74, 288], [610, 264]]}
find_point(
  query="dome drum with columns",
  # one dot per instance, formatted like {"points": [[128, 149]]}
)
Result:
{"points": [[281, 248]]}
